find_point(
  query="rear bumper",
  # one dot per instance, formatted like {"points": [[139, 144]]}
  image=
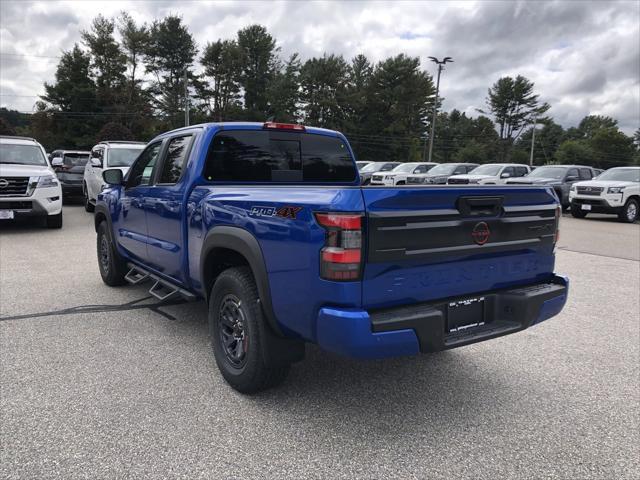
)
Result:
{"points": [[423, 327]]}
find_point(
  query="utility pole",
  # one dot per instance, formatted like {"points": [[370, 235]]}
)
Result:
{"points": [[186, 100], [440, 64], [533, 139]]}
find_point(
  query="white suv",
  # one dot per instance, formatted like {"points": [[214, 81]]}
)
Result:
{"points": [[398, 176], [491, 174], [615, 191], [28, 185], [104, 156]]}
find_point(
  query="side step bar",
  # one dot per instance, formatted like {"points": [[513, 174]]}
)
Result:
{"points": [[162, 289]]}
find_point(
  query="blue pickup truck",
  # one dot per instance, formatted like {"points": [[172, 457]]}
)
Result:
{"points": [[269, 225]]}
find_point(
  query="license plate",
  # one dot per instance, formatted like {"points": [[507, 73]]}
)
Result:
{"points": [[6, 214], [586, 206], [464, 314]]}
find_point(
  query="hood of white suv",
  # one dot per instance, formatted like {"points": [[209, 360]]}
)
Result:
{"points": [[605, 183], [473, 177], [11, 170]]}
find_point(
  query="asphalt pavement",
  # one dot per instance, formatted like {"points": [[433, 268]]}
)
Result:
{"points": [[100, 382]]}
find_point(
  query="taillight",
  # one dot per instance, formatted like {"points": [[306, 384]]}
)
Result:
{"points": [[341, 256], [283, 126]]}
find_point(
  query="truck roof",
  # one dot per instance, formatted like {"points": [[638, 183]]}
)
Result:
{"points": [[17, 140], [246, 126]]}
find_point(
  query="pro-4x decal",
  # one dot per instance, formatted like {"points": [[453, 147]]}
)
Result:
{"points": [[288, 211]]}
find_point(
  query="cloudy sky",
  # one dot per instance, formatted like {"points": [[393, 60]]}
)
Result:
{"points": [[584, 57]]}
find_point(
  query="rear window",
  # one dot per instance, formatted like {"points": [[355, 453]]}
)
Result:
{"points": [[271, 156], [76, 159]]}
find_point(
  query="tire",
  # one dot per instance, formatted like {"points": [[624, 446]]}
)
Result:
{"points": [[88, 206], [239, 333], [630, 212], [111, 265], [54, 221], [577, 213]]}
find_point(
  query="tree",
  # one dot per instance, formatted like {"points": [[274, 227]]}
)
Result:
{"points": [[576, 152], [400, 96], [612, 148], [323, 91], [169, 57], [6, 128], [135, 42], [108, 63], [222, 62], [114, 131], [259, 61], [283, 91], [356, 104], [591, 124], [547, 140], [513, 106]]}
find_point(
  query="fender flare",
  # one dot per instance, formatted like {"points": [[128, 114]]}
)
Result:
{"points": [[101, 209], [242, 241]]}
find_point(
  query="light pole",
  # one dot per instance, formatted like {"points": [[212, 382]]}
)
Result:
{"points": [[440, 64]]}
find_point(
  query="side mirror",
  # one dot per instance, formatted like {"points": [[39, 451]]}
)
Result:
{"points": [[96, 162], [113, 176], [505, 175], [571, 178], [56, 162]]}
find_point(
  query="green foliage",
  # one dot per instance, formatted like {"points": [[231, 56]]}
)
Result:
{"points": [[513, 106], [259, 61], [132, 86], [6, 128], [114, 131], [220, 84], [575, 152], [323, 85]]}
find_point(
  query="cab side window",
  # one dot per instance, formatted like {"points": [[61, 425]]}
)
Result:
{"points": [[142, 171], [175, 159], [585, 174], [460, 170], [508, 170], [573, 172], [521, 171]]}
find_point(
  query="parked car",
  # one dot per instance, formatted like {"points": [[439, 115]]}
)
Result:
{"points": [[364, 272], [491, 174], [28, 185], [398, 176], [362, 164], [616, 191], [439, 174], [598, 171], [106, 155], [367, 171], [560, 177], [69, 166]]}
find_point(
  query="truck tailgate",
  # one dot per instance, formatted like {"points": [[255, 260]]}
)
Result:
{"points": [[430, 243]]}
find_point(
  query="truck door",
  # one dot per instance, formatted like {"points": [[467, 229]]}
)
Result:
{"points": [[166, 209], [131, 227]]}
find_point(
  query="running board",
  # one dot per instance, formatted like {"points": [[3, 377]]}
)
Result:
{"points": [[162, 289]]}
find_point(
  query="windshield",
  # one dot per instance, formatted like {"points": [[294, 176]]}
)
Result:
{"points": [[387, 167], [486, 170], [123, 157], [76, 159], [405, 167], [621, 174], [361, 165], [22, 154], [557, 173], [442, 169]]}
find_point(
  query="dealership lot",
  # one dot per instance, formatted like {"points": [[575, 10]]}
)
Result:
{"points": [[99, 382]]}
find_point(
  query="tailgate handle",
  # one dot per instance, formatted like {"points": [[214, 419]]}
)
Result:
{"points": [[480, 206]]}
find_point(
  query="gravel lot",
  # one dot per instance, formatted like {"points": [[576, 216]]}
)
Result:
{"points": [[99, 382]]}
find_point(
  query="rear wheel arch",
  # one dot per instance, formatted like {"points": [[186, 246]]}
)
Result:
{"points": [[226, 247]]}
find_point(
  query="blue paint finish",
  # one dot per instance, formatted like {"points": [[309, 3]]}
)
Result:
{"points": [[349, 333], [554, 306], [163, 227]]}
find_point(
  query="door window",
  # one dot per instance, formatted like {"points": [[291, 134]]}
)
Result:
{"points": [[573, 172], [508, 170], [174, 160], [142, 171], [585, 174], [460, 170], [521, 171]]}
